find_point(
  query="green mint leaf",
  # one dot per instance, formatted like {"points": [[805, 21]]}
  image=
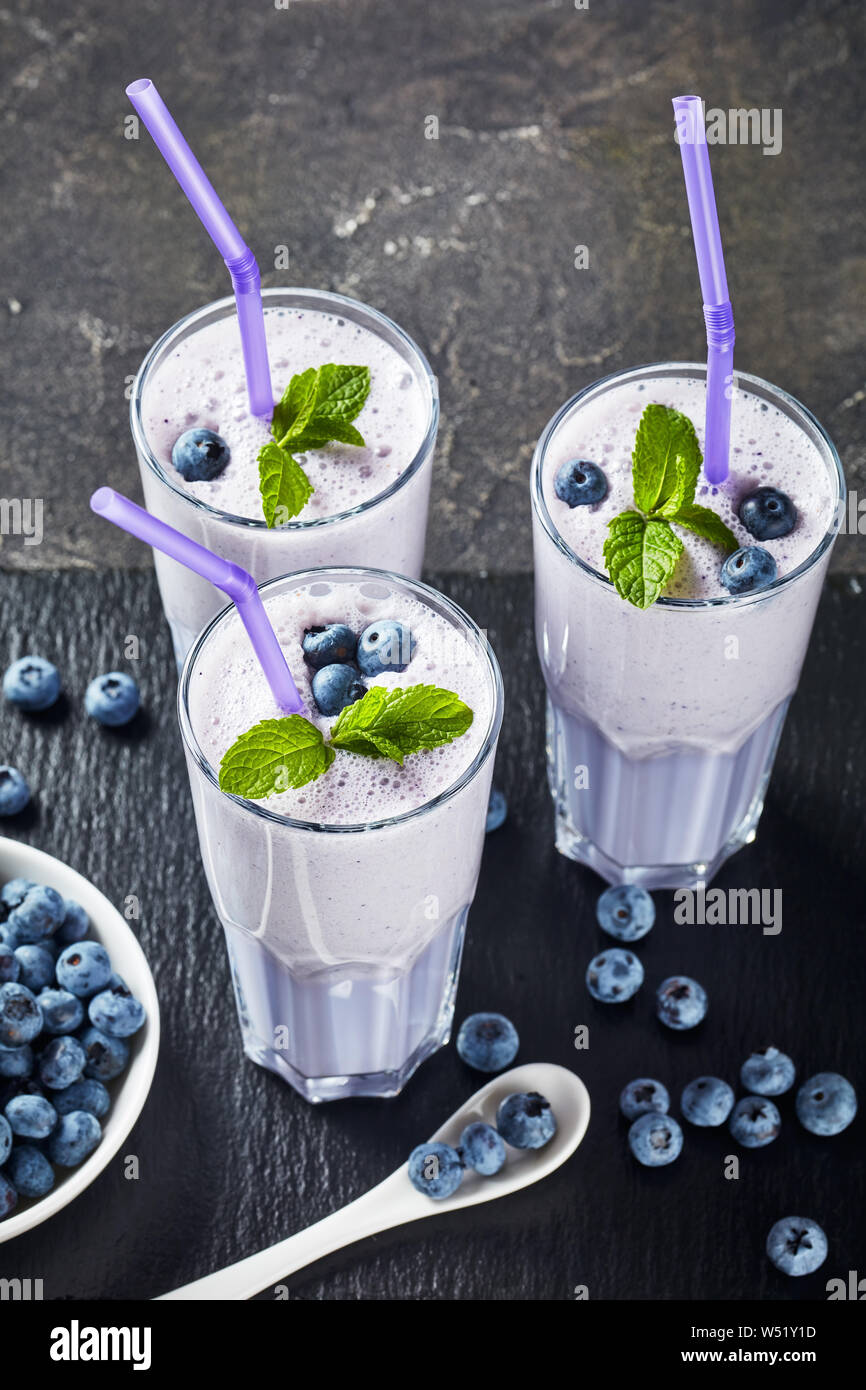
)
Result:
{"points": [[294, 402], [707, 523], [640, 556], [316, 436], [666, 460], [274, 755], [396, 723], [284, 485], [329, 398]]}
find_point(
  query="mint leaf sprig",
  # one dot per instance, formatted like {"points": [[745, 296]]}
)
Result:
{"points": [[277, 754], [316, 408], [642, 550]]}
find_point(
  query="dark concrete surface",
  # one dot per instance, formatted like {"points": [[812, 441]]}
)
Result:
{"points": [[555, 130], [252, 1162]]}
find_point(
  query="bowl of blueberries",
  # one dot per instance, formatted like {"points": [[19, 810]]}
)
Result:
{"points": [[79, 1035]]}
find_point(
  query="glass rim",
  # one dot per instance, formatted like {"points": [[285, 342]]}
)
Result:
{"points": [[423, 590], [337, 301], [698, 369]]}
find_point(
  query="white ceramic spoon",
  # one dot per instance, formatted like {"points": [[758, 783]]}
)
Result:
{"points": [[395, 1201]]}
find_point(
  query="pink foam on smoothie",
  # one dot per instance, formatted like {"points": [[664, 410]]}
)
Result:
{"points": [[202, 383], [228, 695], [767, 449]]}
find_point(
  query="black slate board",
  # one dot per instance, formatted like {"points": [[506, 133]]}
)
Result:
{"points": [[232, 1160]]}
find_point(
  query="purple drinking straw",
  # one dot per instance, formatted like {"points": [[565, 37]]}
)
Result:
{"points": [[234, 581], [718, 314], [221, 229]]}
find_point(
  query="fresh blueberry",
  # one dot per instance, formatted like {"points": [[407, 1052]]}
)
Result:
{"points": [[335, 687], [796, 1245], [76, 1135], [579, 483], [75, 924], [655, 1140], [707, 1101], [62, 1012], [8, 1196], [38, 915], [482, 1149], [20, 1015], [749, 569], [14, 892], [328, 646], [36, 967], [200, 455], [31, 1117], [614, 976], [826, 1103], [16, 1061], [116, 1011], [680, 1002], [85, 1094], [525, 1120], [487, 1042], [5, 1139], [112, 699], [435, 1169], [10, 966], [106, 1056], [84, 968], [767, 1073], [387, 646], [497, 810], [754, 1122], [14, 791], [644, 1097], [30, 1171], [61, 1063], [31, 683], [625, 911], [768, 514]]}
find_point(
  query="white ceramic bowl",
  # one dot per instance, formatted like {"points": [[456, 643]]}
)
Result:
{"points": [[129, 1091]]}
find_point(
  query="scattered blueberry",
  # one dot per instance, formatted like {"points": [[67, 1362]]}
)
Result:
{"points": [[680, 1002], [200, 455], [38, 915], [116, 1011], [36, 967], [482, 1148], [497, 810], [84, 968], [387, 646], [8, 1196], [106, 1056], [85, 1094], [14, 791], [5, 1139], [644, 1097], [112, 699], [76, 1135], [328, 646], [707, 1101], [30, 1171], [31, 1117], [31, 683], [75, 924], [335, 687], [579, 483], [62, 1012], [749, 569], [754, 1122], [655, 1140], [767, 1073], [625, 911], [435, 1169], [614, 976], [525, 1120], [768, 513], [487, 1042], [826, 1103], [16, 1061], [61, 1063], [796, 1245], [10, 967], [20, 1015]]}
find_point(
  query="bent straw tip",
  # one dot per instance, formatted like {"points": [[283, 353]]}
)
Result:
{"points": [[139, 86]]}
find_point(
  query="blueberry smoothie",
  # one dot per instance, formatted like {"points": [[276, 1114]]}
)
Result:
{"points": [[344, 901], [367, 503], [663, 721]]}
